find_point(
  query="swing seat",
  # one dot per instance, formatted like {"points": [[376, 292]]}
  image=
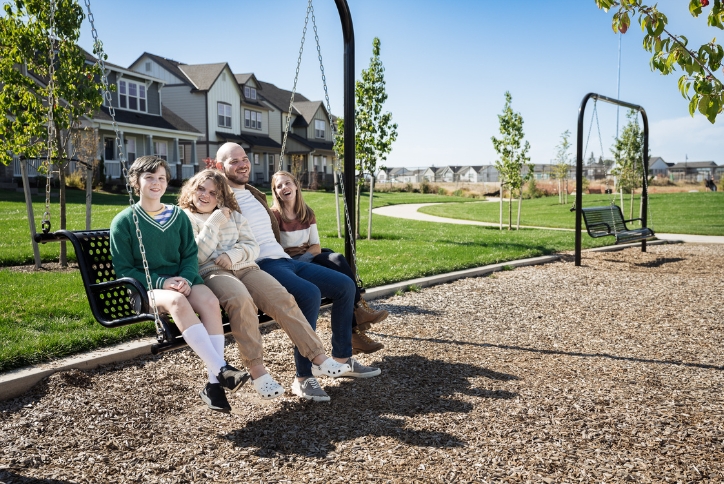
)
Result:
{"points": [[116, 301], [608, 220]]}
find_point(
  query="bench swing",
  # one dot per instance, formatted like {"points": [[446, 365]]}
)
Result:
{"points": [[117, 301], [608, 220]]}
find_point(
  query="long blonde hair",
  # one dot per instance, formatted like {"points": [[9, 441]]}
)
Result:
{"points": [[302, 211], [224, 195]]}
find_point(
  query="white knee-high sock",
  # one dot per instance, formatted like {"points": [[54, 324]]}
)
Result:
{"points": [[199, 340], [218, 341]]}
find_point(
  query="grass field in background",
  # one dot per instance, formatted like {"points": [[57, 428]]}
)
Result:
{"points": [[45, 314], [677, 213]]}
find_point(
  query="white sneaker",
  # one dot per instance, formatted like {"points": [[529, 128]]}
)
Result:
{"points": [[331, 368], [309, 389]]}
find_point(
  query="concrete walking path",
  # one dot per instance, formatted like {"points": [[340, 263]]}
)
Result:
{"points": [[410, 211]]}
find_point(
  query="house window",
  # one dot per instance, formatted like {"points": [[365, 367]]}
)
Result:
{"points": [[130, 149], [132, 95], [148, 66], [256, 158], [252, 119], [109, 148], [318, 128], [161, 149], [181, 153], [249, 92], [224, 111]]}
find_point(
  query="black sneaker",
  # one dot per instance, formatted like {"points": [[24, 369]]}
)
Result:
{"points": [[231, 378], [215, 397]]}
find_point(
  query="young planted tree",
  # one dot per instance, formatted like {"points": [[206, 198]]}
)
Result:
{"points": [[513, 155], [45, 76], [699, 83], [374, 130], [561, 171], [627, 152], [85, 145]]}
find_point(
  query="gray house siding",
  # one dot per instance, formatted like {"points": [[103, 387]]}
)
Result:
{"points": [[190, 108]]}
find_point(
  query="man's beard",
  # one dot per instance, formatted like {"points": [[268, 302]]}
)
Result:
{"points": [[239, 179]]}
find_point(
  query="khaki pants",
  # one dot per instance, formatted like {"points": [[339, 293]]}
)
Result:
{"points": [[241, 292]]}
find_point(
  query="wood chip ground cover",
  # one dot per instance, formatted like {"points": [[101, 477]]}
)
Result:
{"points": [[610, 372]]}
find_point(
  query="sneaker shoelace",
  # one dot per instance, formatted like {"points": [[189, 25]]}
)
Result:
{"points": [[312, 382]]}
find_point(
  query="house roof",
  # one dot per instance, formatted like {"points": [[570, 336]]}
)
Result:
{"points": [[169, 119], [250, 139], [278, 97], [170, 65], [203, 76], [695, 164], [318, 145]]}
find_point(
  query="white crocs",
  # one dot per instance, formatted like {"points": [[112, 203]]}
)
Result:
{"points": [[267, 387], [331, 368]]}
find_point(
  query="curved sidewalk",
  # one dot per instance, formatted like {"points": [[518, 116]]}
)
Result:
{"points": [[410, 211]]}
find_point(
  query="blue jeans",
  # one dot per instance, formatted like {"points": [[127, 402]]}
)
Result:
{"points": [[309, 283]]}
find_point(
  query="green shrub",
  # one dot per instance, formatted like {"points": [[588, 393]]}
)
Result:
{"points": [[75, 180], [532, 190], [425, 186], [441, 191], [408, 187], [458, 192]]}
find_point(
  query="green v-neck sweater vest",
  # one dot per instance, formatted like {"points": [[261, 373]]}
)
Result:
{"points": [[170, 248]]}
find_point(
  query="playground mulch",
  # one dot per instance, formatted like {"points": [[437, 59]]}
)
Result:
{"points": [[609, 372]]}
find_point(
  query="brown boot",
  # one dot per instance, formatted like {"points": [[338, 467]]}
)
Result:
{"points": [[361, 343], [366, 316]]}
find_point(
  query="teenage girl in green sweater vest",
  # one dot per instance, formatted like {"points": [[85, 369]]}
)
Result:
{"points": [[177, 288]]}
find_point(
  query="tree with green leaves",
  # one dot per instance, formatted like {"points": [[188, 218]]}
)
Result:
{"points": [[36, 89], [562, 169], [699, 83], [374, 130], [627, 153], [513, 157]]}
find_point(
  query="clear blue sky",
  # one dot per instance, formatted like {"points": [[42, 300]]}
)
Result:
{"points": [[448, 65]]}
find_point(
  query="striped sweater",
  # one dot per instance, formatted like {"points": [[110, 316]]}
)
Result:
{"points": [[170, 247], [215, 235], [296, 237]]}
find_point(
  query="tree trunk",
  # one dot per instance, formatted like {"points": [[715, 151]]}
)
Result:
{"points": [[369, 219], [560, 195], [633, 191], [520, 202], [565, 197], [29, 209], [510, 209], [336, 202], [356, 213], [88, 194], [63, 259], [501, 206]]}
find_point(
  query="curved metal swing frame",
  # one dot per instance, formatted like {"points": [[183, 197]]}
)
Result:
{"points": [[579, 166]]}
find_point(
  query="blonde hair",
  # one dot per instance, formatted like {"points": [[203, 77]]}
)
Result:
{"points": [[224, 195], [302, 211]]}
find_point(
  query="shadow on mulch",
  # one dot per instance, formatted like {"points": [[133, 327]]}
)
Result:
{"points": [[409, 386], [546, 351], [9, 477]]}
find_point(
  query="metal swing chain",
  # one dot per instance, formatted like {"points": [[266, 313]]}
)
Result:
{"points": [[294, 88], [160, 334], [45, 224], [593, 113], [310, 10]]}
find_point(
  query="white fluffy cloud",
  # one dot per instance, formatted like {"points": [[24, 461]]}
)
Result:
{"points": [[674, 139]]}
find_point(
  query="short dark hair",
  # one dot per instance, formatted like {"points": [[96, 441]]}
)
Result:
{"points": [[146, 164]]}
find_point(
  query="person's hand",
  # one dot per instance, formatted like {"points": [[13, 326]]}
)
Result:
{"points": [[223, 261], [177, 284]]}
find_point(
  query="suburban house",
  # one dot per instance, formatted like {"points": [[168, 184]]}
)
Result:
{"points": [[430, 173], [399, 175], [468, 174], [488, 174], [146, 126], [225, 106], [697, 171], [658, 167]]}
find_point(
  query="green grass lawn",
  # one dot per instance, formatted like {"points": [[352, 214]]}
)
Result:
{"points": [[45, 315], [678, 213]]}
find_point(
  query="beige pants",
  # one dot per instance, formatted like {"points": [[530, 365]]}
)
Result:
{"points": [[241, 292]]}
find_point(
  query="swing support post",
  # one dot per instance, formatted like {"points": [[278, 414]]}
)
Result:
{"points": [[579, 166], [345, 17]]}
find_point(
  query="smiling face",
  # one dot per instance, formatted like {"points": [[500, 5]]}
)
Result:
{"points": [[152, 186], [285, 190], [237, 167], [204, 198]]}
